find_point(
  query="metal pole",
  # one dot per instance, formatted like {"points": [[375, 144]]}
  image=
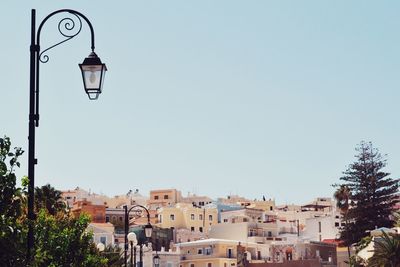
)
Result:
{"points": [[134, 256], [126, 235], [131, 253], [141, 255], [31, 138]]}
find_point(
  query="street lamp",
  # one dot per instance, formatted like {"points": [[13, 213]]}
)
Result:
{"points": [[92, 71], [156, 260], [133, 241], [148, 229], [101, 247]]}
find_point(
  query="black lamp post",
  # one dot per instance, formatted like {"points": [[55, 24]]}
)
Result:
{"points": [[92, 71], [148, 230]]}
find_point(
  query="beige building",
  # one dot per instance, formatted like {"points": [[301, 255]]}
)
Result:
{"points": [[77, 194], [234, 199], [245, 215], [184, 215], [163, 198], [196, 200], [220, 253], [265, 205]]}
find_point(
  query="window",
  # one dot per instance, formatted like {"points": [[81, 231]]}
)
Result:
{"points": [[336, 224], [209, 264], [270, 208], [192, 229], [155, 197], [172, 217], [200, 217], [107, 219], [165, 196], [319, 227], [229, 253], [103, 239], [208, 251], [199, 251], [120, 218], [200, 229], [210, 217], [192, 216], [225, 220], [192, 265], [201, 203], [269, 234]]}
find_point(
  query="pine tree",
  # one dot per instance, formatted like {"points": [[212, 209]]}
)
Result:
{"points": [[373, 194]]}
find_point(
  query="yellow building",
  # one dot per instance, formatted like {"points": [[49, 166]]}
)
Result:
{"points": [[184, 215]]}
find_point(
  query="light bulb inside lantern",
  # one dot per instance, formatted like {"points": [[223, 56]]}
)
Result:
{"points": [[92, 77]]}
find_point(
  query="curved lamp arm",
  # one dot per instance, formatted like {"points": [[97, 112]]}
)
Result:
{"points": [[65, 28]]}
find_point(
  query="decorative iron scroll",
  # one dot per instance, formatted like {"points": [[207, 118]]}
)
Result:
{"points": [[69, 27], [137, 213]]}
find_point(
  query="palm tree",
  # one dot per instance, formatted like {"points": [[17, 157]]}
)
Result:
{"points": [[342, 196], [397, 219], [386, 252], [47, 197]]}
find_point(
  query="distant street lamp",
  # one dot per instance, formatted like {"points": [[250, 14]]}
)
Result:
{"points": [[148, 229], [93, 71], [156, 260], [133, 242], [100, 247]]}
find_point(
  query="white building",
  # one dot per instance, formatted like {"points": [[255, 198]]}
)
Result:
{"points": [[245, 231], [102, 233], [322, 228]]}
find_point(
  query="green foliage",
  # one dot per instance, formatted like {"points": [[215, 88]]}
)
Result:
{"points": [[386, 252], [10, 195], [12, 231], [356, 262], [50, 199], [114, 256], [397, 219], [364, 242], [62, 241], [372, 194]]}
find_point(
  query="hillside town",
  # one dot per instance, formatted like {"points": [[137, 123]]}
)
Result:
{"points": [[195, 230]]}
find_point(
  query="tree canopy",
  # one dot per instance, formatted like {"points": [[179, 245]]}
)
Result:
{"points": [[60, 239], [367, 193]]}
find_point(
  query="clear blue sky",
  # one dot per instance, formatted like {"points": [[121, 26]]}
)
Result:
{"points": [[213, 97]]}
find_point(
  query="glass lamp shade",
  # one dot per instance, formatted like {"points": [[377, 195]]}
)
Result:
{"points": [[132, 238], [148, 230], [101, 247], [156, 260], [93, 72]]}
